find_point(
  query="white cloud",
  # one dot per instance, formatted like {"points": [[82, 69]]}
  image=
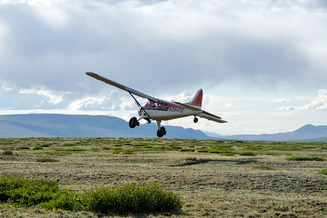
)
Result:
{"points": [[185, 96], [109, 101], [54, 98], [280, 100], [320, 103]]}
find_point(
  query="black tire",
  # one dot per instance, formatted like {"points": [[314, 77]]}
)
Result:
{"points": [[133, 122], [195, 120], [162, 129], [161, 132]]}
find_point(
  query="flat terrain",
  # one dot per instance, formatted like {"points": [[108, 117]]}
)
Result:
{"points": [[213, 178]]}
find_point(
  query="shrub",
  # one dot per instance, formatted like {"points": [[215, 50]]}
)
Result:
{"points": [[38, 147], [24, 192], [262, 167], [7, 152], [190, 159], [323, 172], [46, 160], [134, 199], [129, 199], [301, 158], [247, 153], [66, 200], [22, 148], [283, 207]]}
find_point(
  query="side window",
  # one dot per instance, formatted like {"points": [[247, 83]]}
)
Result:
{"points": [[155, 104], [160, 104]]}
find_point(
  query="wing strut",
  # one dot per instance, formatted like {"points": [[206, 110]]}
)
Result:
{"points": [[138, 103]]}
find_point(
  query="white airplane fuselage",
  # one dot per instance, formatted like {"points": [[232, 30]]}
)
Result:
{"points": [[171, 113], [155, 111]]}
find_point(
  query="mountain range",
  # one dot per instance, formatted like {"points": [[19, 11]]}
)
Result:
{"points": [[59, 125]]}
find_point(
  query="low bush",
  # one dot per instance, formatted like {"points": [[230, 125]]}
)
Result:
{"points": [[283, 207], [129, 199], [65, 200], [38, 147], [262, 167], [323, 172], [22, 148], [7, 152], [247, 153], [46, 160], [302, 158], [134, 199], [25, 192], [190, 159]]}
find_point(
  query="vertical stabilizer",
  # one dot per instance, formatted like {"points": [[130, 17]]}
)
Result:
{"points": [[197, 99]]}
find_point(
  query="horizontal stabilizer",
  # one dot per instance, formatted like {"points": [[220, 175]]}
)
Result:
{"points": [[212, 118]]}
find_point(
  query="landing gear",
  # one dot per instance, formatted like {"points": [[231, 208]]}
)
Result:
{"points": [[133, 122], [161, 130], [195, 119]]}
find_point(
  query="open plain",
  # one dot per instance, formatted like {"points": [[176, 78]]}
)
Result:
{"points": [[213, 177]]}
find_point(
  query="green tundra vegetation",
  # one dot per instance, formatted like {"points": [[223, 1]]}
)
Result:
{"points": [[88, 177]]}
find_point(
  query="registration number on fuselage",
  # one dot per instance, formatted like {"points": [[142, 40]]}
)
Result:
{"points": [[175, 109]]}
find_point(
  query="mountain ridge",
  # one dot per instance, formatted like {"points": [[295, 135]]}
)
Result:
{"points": [[63, 125]]}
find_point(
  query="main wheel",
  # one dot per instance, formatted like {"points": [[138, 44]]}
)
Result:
{"points": [[161, 132], [195, 120], [133, 122]]}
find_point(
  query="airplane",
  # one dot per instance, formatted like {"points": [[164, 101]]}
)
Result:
{"points": [[161, 110]]}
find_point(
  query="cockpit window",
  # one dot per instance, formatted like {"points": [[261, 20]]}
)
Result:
{"points": [[148, 104], [155, 104]]}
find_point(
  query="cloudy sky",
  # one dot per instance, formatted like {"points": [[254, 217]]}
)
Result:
{"points": [[261, 63]]}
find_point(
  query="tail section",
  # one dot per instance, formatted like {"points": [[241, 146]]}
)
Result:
{"points": [[197, 99]]}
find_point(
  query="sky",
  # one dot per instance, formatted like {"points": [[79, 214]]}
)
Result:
{"points": [[261, 63]]}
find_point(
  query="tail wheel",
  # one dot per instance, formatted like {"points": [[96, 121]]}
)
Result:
{"points": [[195, 120], [133, 122], [161, 132]]}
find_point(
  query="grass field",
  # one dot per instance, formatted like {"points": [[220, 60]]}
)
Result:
{"points": [[213, 178]]}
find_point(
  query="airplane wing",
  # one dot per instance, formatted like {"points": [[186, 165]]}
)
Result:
{"points": [[120, 86], [212, 117]]}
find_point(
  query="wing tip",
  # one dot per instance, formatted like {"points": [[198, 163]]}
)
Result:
{"points": [[90, 73]]}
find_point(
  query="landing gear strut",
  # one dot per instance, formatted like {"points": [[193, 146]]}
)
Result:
{"points": [[161, 130]]}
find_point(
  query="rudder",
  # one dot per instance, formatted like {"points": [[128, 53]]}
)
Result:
{"points": [[197, 99]]}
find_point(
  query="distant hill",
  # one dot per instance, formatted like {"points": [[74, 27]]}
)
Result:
{"points": [[59, 125], [306, 133]]}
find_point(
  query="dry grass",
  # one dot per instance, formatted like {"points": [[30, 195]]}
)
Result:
{"points": [[210, 182]]}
